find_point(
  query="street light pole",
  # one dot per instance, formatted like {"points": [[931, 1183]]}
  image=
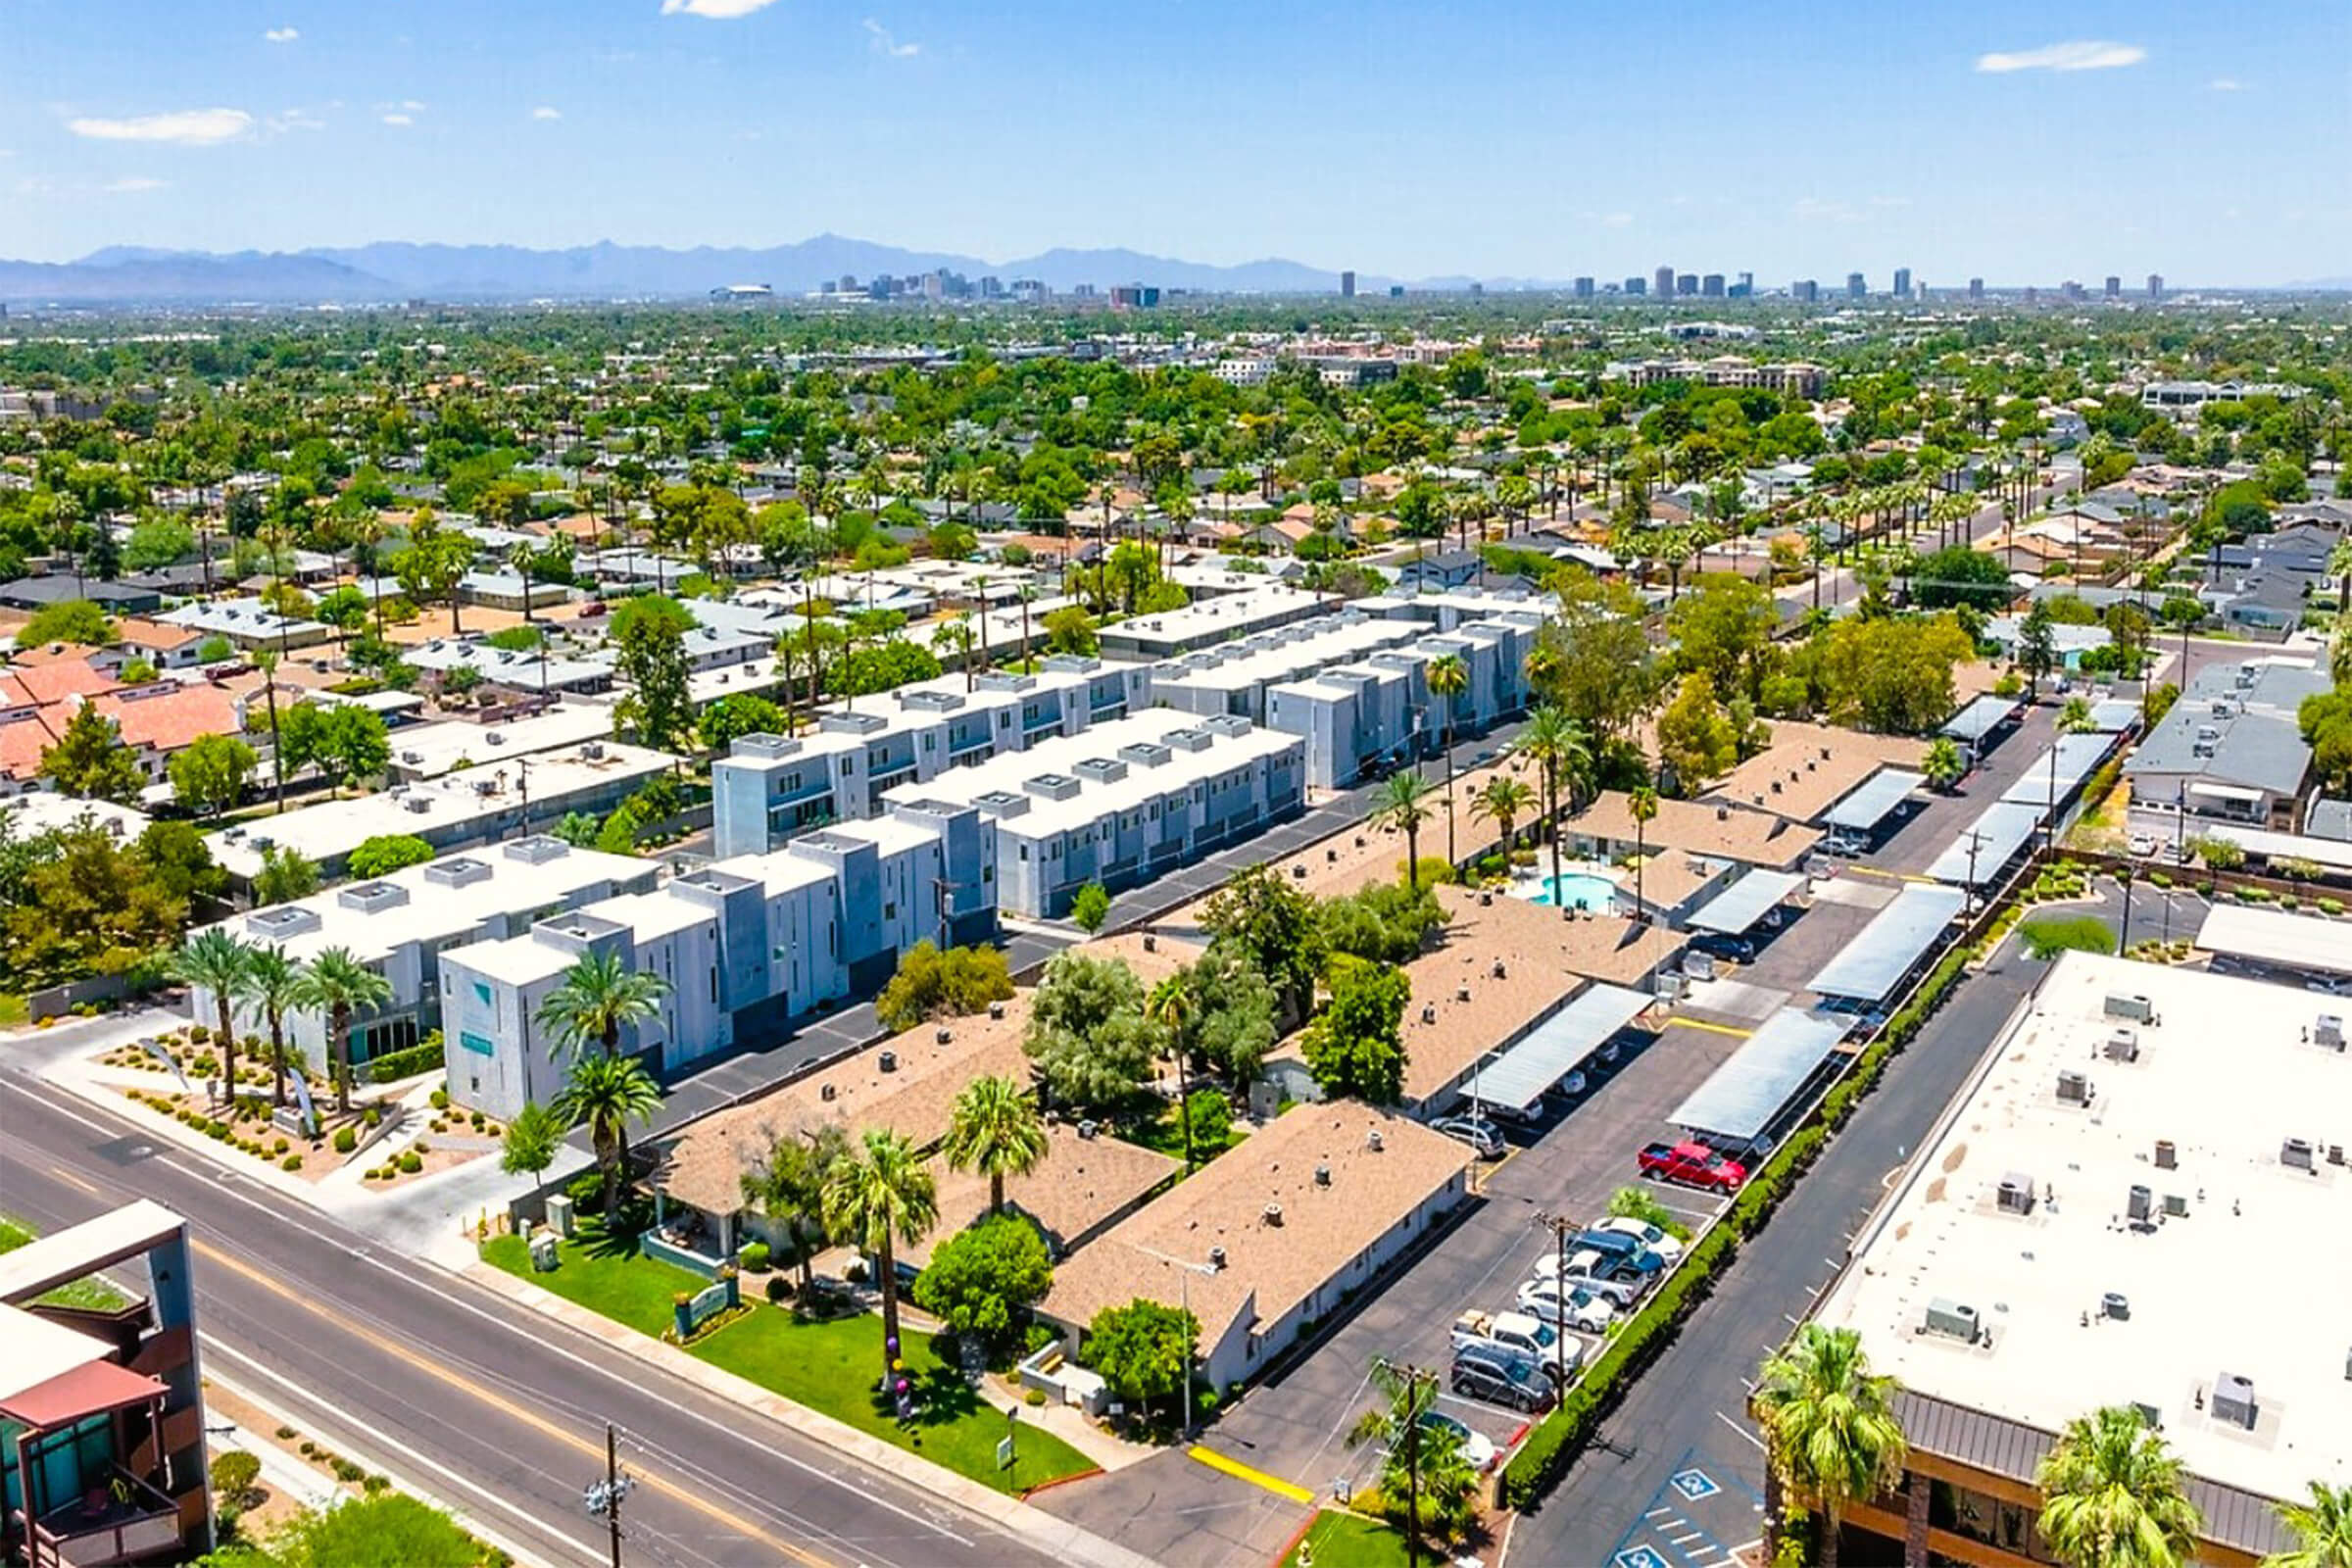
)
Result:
{"points": [[1184, 1304], [1559, 1225]]}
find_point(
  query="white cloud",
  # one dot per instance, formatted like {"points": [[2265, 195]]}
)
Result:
{"points": [[2082, 55], [1819, 210], [185, 128], [713, 10], [293, 120], [885, 44], [1616, 219], [130, 184], [542, 112], [281, 34], [400, 119], [2225, 84], [409, 106]]}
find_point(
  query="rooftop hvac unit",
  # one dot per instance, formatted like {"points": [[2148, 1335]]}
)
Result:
{"points": [[2234, 1400], [2152, 1417], [1271, 1214], [1297, 874], [2139, 1010], [826, 1092], [2074, 1089], [1952, 1319], [2122, 1044], [2166, 1157], [1501, 969], [1216, 1257], [888, 1061], [2328, 1032], [1429, 1013], [1486, 899], [1150, 943], [1087, 1128], [1461, 993], [2115, 1304], [2015, 1195], [2298, 1154], [2141, 1206], [2175, 1205], [1331, 856]]}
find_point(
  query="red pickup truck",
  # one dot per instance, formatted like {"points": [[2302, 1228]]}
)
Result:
{"points": [[1692, 1165]]}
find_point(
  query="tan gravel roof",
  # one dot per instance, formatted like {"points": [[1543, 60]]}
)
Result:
{"points": [[1081, 1185], [1706, 827], [1814, 767]]}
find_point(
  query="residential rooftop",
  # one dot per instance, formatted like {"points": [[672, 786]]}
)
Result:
{"points": [[1085, 1181], [1810, 768], [428, 751], [1704, 827]]}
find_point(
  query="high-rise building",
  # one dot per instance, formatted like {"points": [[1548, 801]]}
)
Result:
{"points": [[1711, 286], [2033, 295], [1637, 286], [2155, 286], [1663, 281], [1478, 290], [1805, 291], [1745, 288], [1976, 288], [2073, 290], [1583, 288], [1396, 291], [1856, 286], [1347, 284], [2115, 287], [1902, 282], [1685, 285]]}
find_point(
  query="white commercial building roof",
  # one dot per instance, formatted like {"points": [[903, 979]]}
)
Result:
{"points": [[428, 751]]}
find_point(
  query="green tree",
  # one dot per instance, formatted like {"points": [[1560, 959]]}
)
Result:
{"points": [[1696, 737], [74, 902], [1563, 752], [1226, 1021], [344, 743], [1722, 629], [75, 622], [2113, 1495], [737, 714], [2322, 1527], [1961, 576], [1596, 663], [210, 773], [435, 560], [1385, 922], [1502, 801], [532, 1140], [387, 853], [273, 985], [90, 763], [876, 1196], [649, 635], [788, 1186], [385, 1530], [606, 1093], [1643, 806], [1071, 630], [993, 1128], [1143, 1350], [1356, 1044], [1426, 1483], [1945, 764], [2036, 646], [598, 997], [158, 542], [1402, 804], [1829, 1424], [1090, 908], [285, 875], [1274, 927], [983, 1280], [174, 858], [217, 962], [931, 984], [1088, 1035], [338, 984]]}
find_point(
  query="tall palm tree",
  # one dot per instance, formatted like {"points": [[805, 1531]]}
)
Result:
{"points": [[266, 661], [274, 984], [1169, 1006], [1555, 742], [337, 983], [1829, 1425], [995, 1128], [1642, 806], [606, 1093], [1504, 801], [597, 998], [1449, 677], [2113, 1496], [216, 961], [876, 1196], [791, 1186], [2323, 1525], [1403, 804], [1399, 1422]]}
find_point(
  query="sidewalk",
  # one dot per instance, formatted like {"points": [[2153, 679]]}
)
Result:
{"points": [[1065, 1540]]}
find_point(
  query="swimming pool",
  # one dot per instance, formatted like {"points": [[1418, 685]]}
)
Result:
{"points": [[1581, 889]]}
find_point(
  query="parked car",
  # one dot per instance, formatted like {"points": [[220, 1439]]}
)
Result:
{"points": [[1653, 1236], [1548, 1302], [1500, 1376], [1481, 1135], [1603, 1277], [1572, 1085], [1716, 945], [1618, 1246], [1477, 1447], [1691, 1165], [2143, 846], [1846, 844], [1527, 1335]]}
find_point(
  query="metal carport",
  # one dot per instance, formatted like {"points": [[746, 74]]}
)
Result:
{"points": [[1987, 845], [1743, 903], [1517, 1078], [1980, 719], [2078, 757], [1748, 1092], [1891, 947], [1867, 807]]}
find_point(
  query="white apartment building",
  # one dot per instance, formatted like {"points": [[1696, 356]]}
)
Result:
{"points": [[443, 746], [1234, 677], [1357, 717], [1254, 370], [1211, 621]]}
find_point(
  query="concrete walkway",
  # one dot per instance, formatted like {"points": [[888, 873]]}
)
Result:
{"points": [[1067, 1542]]}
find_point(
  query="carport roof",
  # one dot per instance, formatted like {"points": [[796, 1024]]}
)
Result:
{"points": [[2273, 936], [2079, 757], [1999, 831], [1875, 963], [1518, 1077], [1747, 1092], [1866, 807], [1980, 718], [1743, 903]]}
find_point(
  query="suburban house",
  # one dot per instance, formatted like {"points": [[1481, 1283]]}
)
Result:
{"points": [[2231, 748]]}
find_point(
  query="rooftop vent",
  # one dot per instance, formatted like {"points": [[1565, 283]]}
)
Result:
{"points": [[537, 850], [1322, 1175], [2139, 1205], [283, 921], [943, 1035], [1088, 1128], [2016, 1192], [995, 1010], [1272, 1214], [369, 896], [1461, 993], [1051, 786], [2122, 1044], [1216, 1257], [826, 1092], [2167, 1156], [462, 870], [2328, 1032], [2298, 1154], [1429, 1013], [2074, 1089], [889, 1062], [1501, 969], [2139, 1010], [1372, 1140], [2115, 1304]]}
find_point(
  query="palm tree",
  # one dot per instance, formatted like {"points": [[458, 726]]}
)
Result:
{"points": [[1829, 1424], [791, 1187], [339, 985], [1557, 744], [1168, 1008], [216, 961], [2324, 1526], [1504, 799], [606, 1093], [597, 998], [1642, 804], [2112, 1495], [1398, 1423], [1449, 677], [875, 1196], [2075, 718], [1403, 803], [953, 638], [1945, 766], [267, 662], [274, 984], [993, 1128]]}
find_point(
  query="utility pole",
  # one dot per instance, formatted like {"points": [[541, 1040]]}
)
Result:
{"points": [[604, 1497], [1561, 1227]]}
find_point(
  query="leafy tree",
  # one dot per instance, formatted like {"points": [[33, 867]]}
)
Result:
{"points": [[983, 1280], [2322, 1527], [338, 984], [90, 763], [158, 542], [617, 833], [1087, 1033], [2216, 853], [737, 714], [1890, 676], [344, 741], [75, 622], [174, 857], [1071, 630], [2037, 646], [1225, 1022], [431, 567], [880, 667], [649, 634], [385, 1530], [1830, 1429], [217, 962], [285, 875], [788, 1186], [387, 853], [214, 650], [1356, 1044], [1961, 576], [993, 1128], [1426, 1483], [534, 1140], [606, 1093], [1594, 658], [2113, 1495], [1384, 923], [1143, 1350], [74, 902], [932, 984], [1090, 908], [877, 1194], [1402, 804], [1945, 764], [598, 997], [209, 774], [1722, 629], [1272, 926], [1696, 738]]}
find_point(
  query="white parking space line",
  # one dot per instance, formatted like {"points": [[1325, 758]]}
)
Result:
{"points": [[1678, 1540], [1748, 1435], [1656, 1513]]}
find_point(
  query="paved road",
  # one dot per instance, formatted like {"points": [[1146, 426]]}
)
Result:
{"points": [[425, 1377]]}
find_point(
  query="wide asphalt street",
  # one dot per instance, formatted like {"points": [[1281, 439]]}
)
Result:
{"points": [[460, 1395]]}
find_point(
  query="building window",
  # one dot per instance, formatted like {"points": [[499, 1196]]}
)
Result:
{"points": [[482, 993]]}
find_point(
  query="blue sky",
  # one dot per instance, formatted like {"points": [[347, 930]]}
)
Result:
{"points": [[2021, 142]]}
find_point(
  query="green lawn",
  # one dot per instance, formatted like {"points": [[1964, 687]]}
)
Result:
{"points": [[91, 1294], [1165, 1134], [1350, 1540], [640, 1292], [831, 1366]]}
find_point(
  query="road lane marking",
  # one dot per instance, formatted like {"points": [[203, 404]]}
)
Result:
{"points": [[64, 1175], [1255, 1477]]}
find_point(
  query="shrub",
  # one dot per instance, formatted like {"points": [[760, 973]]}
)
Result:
{"points": [[347, 1138], [278, 1145], [586, 1191], [346, 1471], [375, 1116], [234, 1473], [756, 1258], [779, 1289], [1034, 1396], [440, 1100], [375, 1484], [288, 1434], [290, 1163], [411, 1162]]}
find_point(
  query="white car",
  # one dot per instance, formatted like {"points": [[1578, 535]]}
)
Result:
{"points": [[1477, 1447], [1648, 1235], [1578, 1309], [1480, 1134], [2143, 846]]}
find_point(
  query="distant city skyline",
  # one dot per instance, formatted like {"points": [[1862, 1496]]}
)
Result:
{"points": [[1991, 141]]}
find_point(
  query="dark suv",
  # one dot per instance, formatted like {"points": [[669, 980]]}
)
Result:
{"points": [[1500, 1375]]}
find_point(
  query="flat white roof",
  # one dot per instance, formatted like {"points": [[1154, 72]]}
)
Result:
{"points": [[1228, 613], [427, 751], [33, 1349], [2273, 936], [1325, 646], [1055, 754], [2241, 1268]]}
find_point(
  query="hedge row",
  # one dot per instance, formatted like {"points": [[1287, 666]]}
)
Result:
{"points": [[393, 1066], [1561, 1435]]}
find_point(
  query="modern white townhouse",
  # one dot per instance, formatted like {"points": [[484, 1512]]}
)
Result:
{"points": [[1357, 717], [1234, 677]]}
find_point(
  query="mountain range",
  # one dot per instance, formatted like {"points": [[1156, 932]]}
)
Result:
{"points": [[393, 270]]}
